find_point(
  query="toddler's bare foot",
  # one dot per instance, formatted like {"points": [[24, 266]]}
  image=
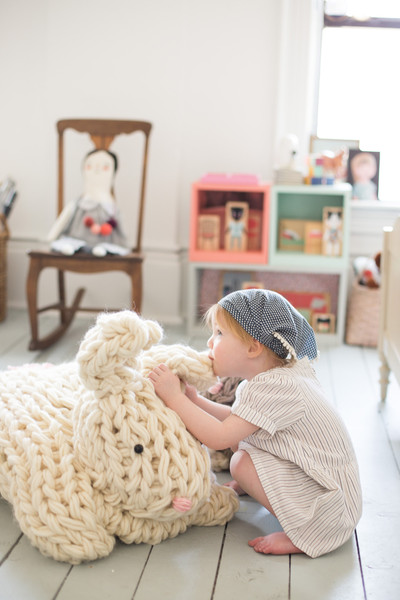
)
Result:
{"points": [[274, 543], [235, 486]]}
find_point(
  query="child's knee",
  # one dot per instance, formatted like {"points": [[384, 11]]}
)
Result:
{"points": [[239, 464]]}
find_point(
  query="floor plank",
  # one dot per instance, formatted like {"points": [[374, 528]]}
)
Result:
{"points": [[248, 573], [333, 576], [115, 576], [183, 567], [28, 575]]}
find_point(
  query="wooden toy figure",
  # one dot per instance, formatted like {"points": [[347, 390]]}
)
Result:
{"points": [[236, 218], [332, 231]]}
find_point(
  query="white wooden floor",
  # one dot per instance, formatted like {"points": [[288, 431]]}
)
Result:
{"points": [[216, 563]]}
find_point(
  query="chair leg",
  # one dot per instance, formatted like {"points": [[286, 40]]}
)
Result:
{"points": [[136, 291], [62, 296], [66, 313], [31, 294]]}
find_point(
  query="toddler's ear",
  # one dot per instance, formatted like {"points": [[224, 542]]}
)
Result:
{"points": [[255, 348]]}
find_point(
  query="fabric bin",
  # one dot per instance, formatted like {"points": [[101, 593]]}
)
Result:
{"points": [[362, 323]]}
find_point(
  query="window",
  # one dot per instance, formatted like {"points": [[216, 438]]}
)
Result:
{"points": [[359, 95]]}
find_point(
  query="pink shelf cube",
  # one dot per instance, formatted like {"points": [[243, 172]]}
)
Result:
{"points": [[208, 226], [230, 178]]}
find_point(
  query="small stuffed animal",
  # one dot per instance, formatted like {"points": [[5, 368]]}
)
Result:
{"points": [[367, 270], [223, 392], [89, 453], [91, 223]]}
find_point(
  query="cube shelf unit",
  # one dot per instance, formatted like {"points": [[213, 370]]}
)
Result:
{"points": [[284, 271], [306, 203], [209, 199]]}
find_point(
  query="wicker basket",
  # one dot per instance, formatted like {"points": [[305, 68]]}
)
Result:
{"points": [[4, 234], [362, 327]]}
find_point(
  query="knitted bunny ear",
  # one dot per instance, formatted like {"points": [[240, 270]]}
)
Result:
{"points": [[139, 332], [116, 339]]}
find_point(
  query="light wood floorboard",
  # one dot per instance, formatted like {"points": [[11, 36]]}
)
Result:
{"points": [[216, 563]]}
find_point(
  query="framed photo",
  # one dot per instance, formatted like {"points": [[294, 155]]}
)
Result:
{"points": [[208, 227], [254, 227], [291, 235], [332, 230], [313, 237], [363, 174], [323, 322], [320, 145]]}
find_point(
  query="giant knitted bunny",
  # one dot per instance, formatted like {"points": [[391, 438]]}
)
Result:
{"points": [[89, 453]]}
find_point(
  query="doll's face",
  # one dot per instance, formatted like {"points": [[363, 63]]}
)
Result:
{"points": [[98, 173], [333, 220], [236, 213], [363, 167]]}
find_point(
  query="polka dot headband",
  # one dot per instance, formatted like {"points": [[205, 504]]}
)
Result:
{"points": [[269, 318]]}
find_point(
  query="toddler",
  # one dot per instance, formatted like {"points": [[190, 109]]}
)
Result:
{"points": [[292, 452]]}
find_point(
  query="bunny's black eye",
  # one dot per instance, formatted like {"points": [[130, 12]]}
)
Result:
{"points": [[138, 448]]}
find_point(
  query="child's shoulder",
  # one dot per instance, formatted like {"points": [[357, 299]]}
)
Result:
{"points": [[289, 374], [293, 368]]}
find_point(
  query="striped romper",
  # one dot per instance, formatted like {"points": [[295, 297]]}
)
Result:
{"points": [[303, 456]]}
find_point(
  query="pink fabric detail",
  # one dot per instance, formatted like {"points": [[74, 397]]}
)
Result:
{"points": [[182, 504]]}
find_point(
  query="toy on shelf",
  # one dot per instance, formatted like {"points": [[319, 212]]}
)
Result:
{"points": [[368, 270], [236, 218], [89, 453], [8, 195], [208, 232], [325, 168], [287, 171], [291, 235], [313, 237], [323, 322], [332, 231], [92, 223]]}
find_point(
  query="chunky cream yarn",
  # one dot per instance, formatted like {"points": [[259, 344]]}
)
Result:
{"points": [[89, 453]]}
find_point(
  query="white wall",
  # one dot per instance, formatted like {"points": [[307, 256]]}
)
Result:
{"points": [[221, 81]]}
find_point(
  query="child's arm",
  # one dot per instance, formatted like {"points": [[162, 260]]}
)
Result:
{"points": [[219, 411], [205, 427]]}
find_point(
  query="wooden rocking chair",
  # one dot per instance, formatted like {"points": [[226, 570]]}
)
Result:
{"points": [[102, 132]]}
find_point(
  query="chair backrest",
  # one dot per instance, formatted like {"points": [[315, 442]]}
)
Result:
{"points": [[102, 132]]}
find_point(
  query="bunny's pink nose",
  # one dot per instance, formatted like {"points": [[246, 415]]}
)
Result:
{"points": [[182, 504]]}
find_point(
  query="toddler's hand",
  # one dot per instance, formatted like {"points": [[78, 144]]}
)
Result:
{"points": [[166, 384]]}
